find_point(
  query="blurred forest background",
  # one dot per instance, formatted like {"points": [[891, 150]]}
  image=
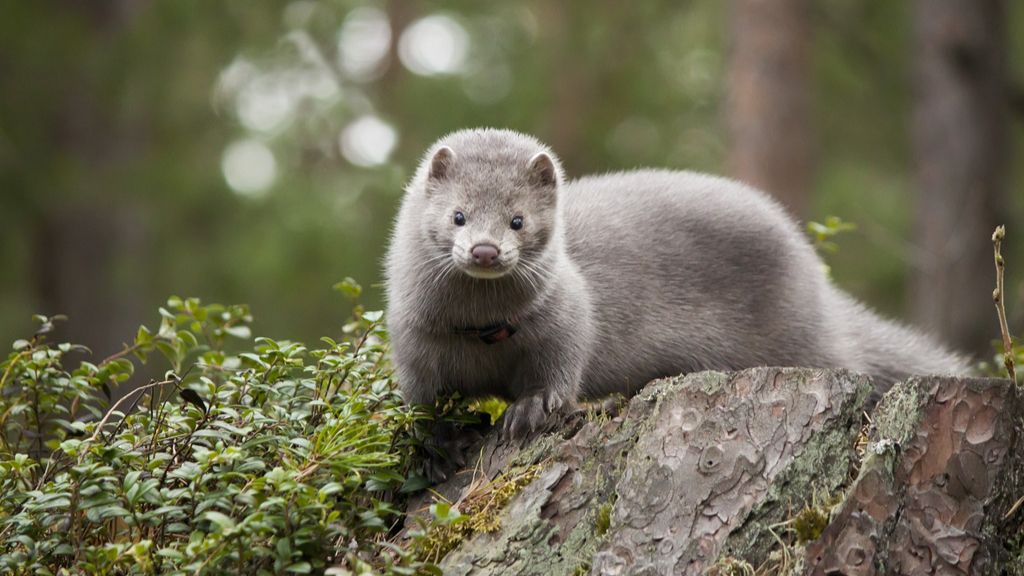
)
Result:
{"points": [[256, 151]]}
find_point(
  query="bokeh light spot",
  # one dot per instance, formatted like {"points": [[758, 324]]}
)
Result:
{"points": [[368, 141], [436, 44], [363, 42], [265, 104], [249, 167]]}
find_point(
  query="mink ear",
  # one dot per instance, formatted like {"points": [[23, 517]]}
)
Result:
{"points": [[542, 171], [441, 163]]}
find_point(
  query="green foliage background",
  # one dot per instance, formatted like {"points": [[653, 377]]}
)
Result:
{"points": [[123, 110]]}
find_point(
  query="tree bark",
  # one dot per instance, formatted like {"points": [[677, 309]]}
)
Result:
{"points": [[710, 472], [769, 100], [936, 494], [959, 140]]}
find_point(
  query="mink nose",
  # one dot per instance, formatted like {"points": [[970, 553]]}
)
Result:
{"points": [[485, 255]]}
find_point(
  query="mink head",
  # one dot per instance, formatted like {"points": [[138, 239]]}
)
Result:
{"points": [[491, 200]]}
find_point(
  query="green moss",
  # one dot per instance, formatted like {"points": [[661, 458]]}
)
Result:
{"points": [[809, 524], [582, 570], [493, 407], [602, 412], [604, 518], [480, 513], [729, 566]]}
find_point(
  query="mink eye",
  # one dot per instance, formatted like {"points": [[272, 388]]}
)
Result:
{"points": [[459, 219], [517, 223]]}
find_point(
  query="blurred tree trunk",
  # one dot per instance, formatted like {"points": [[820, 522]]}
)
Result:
{"points": [[88, 263], [88, 248], [400, 13], [769, 98], [570, 81], [959, 140]]}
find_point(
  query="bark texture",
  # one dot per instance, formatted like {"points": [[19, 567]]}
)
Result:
{"points": [[935, 494], [705, 473], [959, 142]]}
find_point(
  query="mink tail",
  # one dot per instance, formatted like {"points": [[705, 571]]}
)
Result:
{"points": [[886, 350]]}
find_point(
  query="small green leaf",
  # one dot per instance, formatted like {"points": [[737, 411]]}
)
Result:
{"points": [[330, 488], [114, 512], [349, 288], [444, 513], [284, 548], [188, 338], [223, 521], [170, 553], [70, 447]]}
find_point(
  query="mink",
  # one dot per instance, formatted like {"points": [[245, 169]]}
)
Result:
{"points": [[506, 279]]}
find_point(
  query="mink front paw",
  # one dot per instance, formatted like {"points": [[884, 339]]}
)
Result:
{"points": [[527, 415]]}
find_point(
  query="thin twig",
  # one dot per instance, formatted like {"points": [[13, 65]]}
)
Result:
{"points": [[140, 389], [998, 299], [126, 351], [1016, 506]]}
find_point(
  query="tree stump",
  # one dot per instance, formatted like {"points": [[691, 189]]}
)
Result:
{"points": [[768, 470]]}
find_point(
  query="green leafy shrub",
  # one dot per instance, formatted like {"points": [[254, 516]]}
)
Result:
{"points": [[275, 459]]}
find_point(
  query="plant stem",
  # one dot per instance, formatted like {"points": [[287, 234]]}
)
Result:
{"points": [[998, 298]]}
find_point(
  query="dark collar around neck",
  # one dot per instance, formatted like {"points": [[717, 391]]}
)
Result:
{"points": [[491, 334]]}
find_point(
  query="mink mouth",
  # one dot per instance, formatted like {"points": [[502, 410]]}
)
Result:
{"points": [[481, 273]]}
